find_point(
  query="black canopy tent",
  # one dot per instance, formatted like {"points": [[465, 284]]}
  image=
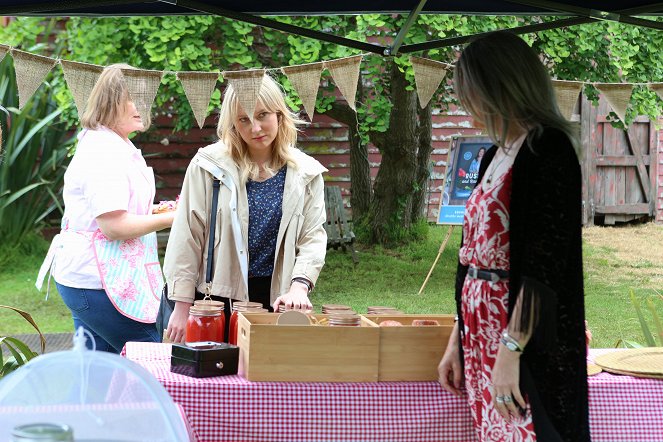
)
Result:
{"points": [[575, 12]]}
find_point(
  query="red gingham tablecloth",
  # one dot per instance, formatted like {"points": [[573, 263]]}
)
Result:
{"points": [[230, 408]]}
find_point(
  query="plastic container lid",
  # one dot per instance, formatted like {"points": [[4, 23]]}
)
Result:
{"points": [[99, 395]]}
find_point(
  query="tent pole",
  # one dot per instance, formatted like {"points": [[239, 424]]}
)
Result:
{"points": [[622, 16], [452, 41], [62, 6], [256, 20], [398, 41]]}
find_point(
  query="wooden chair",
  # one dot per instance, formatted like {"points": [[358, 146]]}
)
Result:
{"points": [[339, 229]]}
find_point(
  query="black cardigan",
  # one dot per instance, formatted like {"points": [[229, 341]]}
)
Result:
{"points": [[546, 262]]}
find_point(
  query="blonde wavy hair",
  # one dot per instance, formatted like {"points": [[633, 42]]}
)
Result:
{"points": [[501, 80], [271, 96], [108, 99]]}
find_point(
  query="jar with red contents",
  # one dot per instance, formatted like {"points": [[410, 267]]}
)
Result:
{"points": [[205, 323], [241, 306]]}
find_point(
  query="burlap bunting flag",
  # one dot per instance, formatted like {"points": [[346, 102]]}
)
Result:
{"points": [[305, 79], [81, 78], [567, 95], [3, 51], [247, 85], [618, 96], [428, 74], [198, 87], [658, 88], [143, 86], [345, 72], [30, 71]]}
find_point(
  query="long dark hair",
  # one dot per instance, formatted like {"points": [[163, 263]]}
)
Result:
{"points": [[500, 79]]}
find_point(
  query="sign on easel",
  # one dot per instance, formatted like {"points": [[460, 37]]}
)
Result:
{"points": [[460, 176]]}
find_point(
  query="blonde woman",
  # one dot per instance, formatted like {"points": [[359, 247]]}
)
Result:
{"points": [[270, 243], [104, 260], [518, 347]]}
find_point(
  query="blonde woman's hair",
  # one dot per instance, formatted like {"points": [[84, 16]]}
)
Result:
{"points": [[501, 80], [271, 96], [108, 99]]}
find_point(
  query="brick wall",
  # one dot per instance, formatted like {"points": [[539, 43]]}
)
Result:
{"points": [[325, 139]]}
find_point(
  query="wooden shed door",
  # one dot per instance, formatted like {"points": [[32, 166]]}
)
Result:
{"points": [[618, 167]]}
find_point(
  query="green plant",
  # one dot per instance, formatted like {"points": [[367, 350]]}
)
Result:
{"points": [[32, 163], [650, 337], [20, 352]]}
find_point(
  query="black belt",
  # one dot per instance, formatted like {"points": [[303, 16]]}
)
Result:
{"points": [[487, 274]]}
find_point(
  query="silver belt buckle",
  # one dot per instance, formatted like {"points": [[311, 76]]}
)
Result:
{"points": [[472, 272]]}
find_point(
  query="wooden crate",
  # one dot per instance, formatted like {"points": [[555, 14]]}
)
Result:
{"points": [[270, 352], [412, 353]]}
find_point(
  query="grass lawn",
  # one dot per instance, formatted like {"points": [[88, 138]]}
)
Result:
{"points": [[616, 260]]}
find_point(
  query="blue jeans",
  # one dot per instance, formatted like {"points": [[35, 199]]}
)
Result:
{"points": [[92, 310]]}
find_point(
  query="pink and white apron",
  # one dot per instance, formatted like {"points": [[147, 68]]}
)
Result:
{"points": [[130, 272]]}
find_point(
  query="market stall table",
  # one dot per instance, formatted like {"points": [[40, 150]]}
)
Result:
{"points": [[230, 408]]}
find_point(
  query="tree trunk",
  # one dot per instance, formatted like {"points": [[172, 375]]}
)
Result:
{"points": [[360, 168], [425, 134], [393, 193]]}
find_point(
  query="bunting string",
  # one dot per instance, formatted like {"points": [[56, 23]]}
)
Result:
{"points": [[32, 69]]}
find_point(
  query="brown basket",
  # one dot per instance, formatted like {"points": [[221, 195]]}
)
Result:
{"points": [[640, 362]]}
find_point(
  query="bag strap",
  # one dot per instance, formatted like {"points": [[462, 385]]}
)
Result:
{"points": [[212, 224]]}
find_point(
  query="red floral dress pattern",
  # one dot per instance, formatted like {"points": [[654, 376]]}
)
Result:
{"points": [[485, 307]]}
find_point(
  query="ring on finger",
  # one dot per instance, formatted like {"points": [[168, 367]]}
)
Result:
{"points": [[500, 399], [507, 399]]}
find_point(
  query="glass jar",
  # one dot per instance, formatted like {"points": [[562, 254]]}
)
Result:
{"points": [[241, 306], [42, 433], [205, 323]]}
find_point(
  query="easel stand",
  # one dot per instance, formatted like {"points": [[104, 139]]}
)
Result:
{"points": [[439, 253]]}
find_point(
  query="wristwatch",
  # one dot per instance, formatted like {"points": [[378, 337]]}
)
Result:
{"points": [[510, 343]]}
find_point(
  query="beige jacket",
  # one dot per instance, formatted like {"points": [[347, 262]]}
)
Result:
{"points": [[301, 242]]}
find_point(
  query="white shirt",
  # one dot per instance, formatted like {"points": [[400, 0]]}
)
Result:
{"points": [[106, 174]]}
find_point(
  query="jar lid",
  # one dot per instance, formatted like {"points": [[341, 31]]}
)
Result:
{"points": [[43, 432], [209, 302], [330, 308], [344, 318], [247, 306], [205, 310], [373, 308]]}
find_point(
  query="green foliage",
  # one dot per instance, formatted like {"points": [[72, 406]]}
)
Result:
{"points": [[650, 337], [19, 351], [597, 52], [396, 234], [607, 52], [33, 161]]}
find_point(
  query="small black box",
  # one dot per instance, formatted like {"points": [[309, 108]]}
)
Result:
{"points": [[204, 359]]}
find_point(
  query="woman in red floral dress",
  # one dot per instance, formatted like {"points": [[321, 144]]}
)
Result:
{"points": [[519, 341]]}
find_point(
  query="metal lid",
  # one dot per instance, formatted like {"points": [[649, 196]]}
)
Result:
{"points": [[209, 303], [344, 318], [249, 307], [42, 432], [329, 308], [205, 310]]}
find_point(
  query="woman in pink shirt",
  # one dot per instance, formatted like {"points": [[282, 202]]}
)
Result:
{"points": [[104, 260]]}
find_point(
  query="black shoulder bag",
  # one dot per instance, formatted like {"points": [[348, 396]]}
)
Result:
{"points": [[166, 306]]}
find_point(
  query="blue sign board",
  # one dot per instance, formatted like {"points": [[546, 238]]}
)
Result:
{"points": [[461, 176]]}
